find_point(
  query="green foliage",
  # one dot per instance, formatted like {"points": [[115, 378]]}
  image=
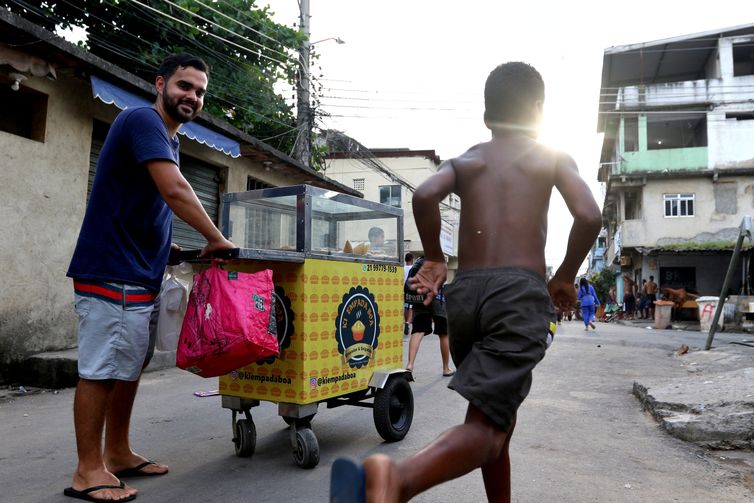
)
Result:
{"points": [[318, 156], [248, 53], [602, 281]]}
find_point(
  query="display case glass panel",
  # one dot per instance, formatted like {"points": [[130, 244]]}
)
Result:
{"points": [[313, 222]]}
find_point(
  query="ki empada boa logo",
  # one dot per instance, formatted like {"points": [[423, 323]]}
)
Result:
{"points": [[357, 327]]}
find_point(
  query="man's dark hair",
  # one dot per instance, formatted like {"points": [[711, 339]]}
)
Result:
{"points": [[510, 91], [409, 257], [170, 64]]}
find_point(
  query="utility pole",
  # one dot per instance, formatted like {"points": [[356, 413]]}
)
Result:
{"points": [[302, 150]]}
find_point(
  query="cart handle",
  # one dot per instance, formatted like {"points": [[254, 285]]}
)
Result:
{"points": [[178, 256]]}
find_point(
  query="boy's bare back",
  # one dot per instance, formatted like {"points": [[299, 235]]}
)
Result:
{"points": [[505, 187]]}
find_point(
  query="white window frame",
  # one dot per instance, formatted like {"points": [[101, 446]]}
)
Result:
{"points": [[359, 183], [680, 203], [392, 189]]}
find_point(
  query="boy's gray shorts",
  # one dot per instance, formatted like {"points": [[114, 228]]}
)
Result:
{"points": [[116, 340], [498, 321]]}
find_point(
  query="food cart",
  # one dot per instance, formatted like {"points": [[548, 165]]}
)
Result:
{"points": [[339, 310]]}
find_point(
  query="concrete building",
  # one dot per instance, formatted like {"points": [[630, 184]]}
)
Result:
{"points": [[678, 157], [390, 176], [596, 260], [57, 104]]}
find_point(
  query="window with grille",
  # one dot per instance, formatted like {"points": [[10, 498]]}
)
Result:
{"points": [[390, 195], [678, 205], [254, 184], [358, 184]]}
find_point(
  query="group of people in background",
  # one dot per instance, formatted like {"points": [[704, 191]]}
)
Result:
{"points": [[639, 303]]}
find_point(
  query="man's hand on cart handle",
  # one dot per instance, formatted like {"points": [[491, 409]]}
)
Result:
{"points": [[214, 248], [178, 255]]}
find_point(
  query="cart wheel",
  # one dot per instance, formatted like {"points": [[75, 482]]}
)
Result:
{"points": [[301, 422], [246, 438], [394, 409], [307, 448]]}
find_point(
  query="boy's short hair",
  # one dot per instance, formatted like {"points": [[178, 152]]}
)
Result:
{"points": [[409, 257], [509, 92], [375, 232], [170, 64]]}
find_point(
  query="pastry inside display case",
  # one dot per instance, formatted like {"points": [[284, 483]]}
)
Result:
{"points": [[314, 222]]}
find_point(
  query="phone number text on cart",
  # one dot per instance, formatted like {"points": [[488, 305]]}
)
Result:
{"points": [[379, 268]]}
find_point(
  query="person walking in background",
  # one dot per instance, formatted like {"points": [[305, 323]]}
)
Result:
{"points": [[589, 303], [407, 308], [117, 269], [425, 318], [499, 305]]}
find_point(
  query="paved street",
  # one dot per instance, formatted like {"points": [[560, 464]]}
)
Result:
{"points": [[582, 436]]}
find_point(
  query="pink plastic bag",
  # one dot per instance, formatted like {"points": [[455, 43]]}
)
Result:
{"points": [[229, 322]]}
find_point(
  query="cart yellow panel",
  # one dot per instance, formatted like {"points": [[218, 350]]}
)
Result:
{"points": [[338, 323]]}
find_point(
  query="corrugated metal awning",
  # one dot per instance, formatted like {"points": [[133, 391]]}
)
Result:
{"points": [[114, 95]]}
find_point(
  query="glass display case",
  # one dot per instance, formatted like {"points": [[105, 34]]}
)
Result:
{"points": [[298, 222]]}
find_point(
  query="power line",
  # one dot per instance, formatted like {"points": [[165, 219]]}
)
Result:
{"points": [[208, 33], [237, 21], [212, 23]]}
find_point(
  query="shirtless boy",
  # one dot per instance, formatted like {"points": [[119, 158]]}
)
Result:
{"points": [[651, 289], [505, 186]]}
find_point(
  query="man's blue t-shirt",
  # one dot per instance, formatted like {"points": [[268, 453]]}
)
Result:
{"points": [[126, 233]]}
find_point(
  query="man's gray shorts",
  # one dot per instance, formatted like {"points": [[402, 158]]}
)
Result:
{"points": [[116, 337]]}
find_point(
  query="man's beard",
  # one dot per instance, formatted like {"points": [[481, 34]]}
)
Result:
{"points": [[172, 107]]}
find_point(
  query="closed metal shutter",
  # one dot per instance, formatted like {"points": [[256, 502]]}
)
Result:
{"points": [[205, 181], [203, 177]]}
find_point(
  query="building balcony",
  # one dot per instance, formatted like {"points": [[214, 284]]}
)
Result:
{"points": [[671, 159], [633, 234], [686, 93]]}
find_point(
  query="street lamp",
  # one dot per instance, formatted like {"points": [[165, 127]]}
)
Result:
{"points": [[338, 40]]}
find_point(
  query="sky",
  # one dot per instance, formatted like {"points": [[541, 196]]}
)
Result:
{"points": [[411, 72]]}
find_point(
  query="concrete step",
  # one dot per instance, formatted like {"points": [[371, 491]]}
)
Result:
{"points": [[59, 369], [715, 411]]}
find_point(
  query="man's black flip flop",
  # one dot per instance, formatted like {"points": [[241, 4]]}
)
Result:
{"points": [[136, 471], [85, 493]]}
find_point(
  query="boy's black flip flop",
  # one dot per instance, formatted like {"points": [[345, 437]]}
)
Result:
{"points": [[136, 471], [347, 482], [84, 494]]}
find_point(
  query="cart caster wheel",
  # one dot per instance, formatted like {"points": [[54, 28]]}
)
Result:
{"points": [[306, 454], [300, 422], [394, 409], [245, 439]]}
